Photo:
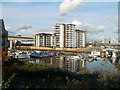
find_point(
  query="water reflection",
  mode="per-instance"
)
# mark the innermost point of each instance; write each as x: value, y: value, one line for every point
x: 115, y: 60
x: 101, y: 66
x: 80, y: 66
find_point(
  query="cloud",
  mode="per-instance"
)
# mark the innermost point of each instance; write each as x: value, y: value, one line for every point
x: 26, y: 33
x: 115, y: 30
x: 24, y: 27
x: 24, y: 30
x: 47, y: 29
x: 94, y: 37
x: 32, y: 0
x: 111, y: 19
x: 7, y: 28
x: 27, y: 30
x: 59, y: 18
x: 88, y: 27
x: 101, y: 37
x: 32, y: 32
x: 69, y: 5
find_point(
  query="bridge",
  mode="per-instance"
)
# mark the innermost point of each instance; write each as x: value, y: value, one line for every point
x: 14, y: 39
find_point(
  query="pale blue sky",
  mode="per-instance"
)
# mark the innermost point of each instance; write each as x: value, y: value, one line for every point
x: 98, y: 18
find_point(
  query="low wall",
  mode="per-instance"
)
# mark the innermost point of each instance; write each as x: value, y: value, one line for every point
x: 75, y: 50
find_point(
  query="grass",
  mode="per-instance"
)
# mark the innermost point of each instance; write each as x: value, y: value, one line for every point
x: 18, y: 74
x: 52, y: 78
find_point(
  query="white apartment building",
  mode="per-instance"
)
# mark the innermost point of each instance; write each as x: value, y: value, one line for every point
x: 44, y: 40
x: 113, y: 41
x: 80, y: 38
x: 65, y: 36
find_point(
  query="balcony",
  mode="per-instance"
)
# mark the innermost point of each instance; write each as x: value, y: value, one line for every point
x: 57, y: 26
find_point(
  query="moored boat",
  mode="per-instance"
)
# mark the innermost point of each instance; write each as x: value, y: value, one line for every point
x: 95, y: 54
x: 36, y: 55
x: 51, y: 54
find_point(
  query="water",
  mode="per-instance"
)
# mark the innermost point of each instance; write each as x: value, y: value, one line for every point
x: 99, y: 66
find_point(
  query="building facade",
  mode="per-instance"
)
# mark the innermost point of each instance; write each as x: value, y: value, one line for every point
x: 44, y: 40
x: 26, y: 43
x: 4, y: 38
x: 113, y: 41
x: 80, y: 38
x: 65, y: 35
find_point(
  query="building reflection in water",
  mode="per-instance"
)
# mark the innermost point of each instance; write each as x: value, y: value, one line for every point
x: 74, y: 65
x: 115, y: 60
x: 66, y: 63
x: 61, y: 62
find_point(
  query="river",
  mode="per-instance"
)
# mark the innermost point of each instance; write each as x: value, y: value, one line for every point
x: 82, y: 66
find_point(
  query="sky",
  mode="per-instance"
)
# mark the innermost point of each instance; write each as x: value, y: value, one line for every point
x: 99, y: 19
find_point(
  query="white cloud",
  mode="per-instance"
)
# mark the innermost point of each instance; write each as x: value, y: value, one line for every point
x: 47, y: 29
x: 58, y: 0
x: 60, y: 18
x: 32, y: 32
x: 69, y: 5
x: 26, y: 32
x: 24, y: 27
x: 23, y: 30
x: 94, y: 37
x: 77, y: 23
x: 111, y: 19
x: 115, y: 30
x: 7, y: 28
x: 32, y: 0
x: 101, y: 37
x: 1, y: 10
x: 88, y: 27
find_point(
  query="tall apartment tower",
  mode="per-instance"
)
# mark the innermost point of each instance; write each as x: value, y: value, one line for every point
x: 65, y: 35
x: 80, y: 38
x: 44, y: 40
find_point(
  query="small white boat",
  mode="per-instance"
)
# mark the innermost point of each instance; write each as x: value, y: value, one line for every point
x: 9, y: 51
x: 20, y: 52
x: 95, y: 54
x: 23, y: 56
